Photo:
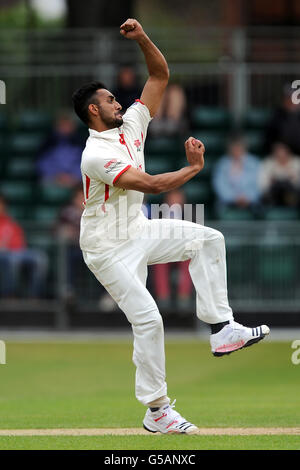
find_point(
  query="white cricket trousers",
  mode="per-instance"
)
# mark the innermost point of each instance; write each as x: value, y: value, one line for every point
x: 123, y: 273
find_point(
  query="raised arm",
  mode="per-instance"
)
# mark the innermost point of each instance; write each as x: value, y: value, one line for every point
x: 156, y: 63
x: 155, y: 184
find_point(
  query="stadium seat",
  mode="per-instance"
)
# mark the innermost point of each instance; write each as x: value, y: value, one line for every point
x: 231, y: 213
x: 277, y: 265
x: 255, y: 141
x: 28, y: 144
x: 3, y: 146
x: 3, y: 122
x: 19, y: 212
x: 281, y: 213
x: 256, y: 118
x: 159, y: 164
x: 45, y: 215
x: 197, y: 192
x: 20, y: 168
x: 211, y: 118
x: 32, y: 120
x: 52, y: 194
x: 214, y: 141
x: 164, y: 146
x: 237, y: 258
x: 17, y: 191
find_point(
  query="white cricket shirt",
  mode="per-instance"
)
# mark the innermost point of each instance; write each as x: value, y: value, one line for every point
x: 113, y: 214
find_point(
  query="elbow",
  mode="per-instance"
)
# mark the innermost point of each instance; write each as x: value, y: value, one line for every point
x: 167, y: 74
x: 162, y: 75
x: 156, y: 187
x: 152, y: 185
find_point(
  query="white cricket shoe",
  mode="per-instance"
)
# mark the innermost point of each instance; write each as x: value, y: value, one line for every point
x: 235, y: 336
x: 168, y: 421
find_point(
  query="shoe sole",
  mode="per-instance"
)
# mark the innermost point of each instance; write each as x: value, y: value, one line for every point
x: 249, y: 343
x: 171, y: 432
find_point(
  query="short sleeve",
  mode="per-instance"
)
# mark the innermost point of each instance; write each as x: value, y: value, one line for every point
x: 107, y: 170
x: 138, y: 117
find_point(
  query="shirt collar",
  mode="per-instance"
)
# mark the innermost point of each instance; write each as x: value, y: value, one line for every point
x: 110, y: 134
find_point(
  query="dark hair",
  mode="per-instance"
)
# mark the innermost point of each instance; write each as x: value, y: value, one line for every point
x: 83, y: 97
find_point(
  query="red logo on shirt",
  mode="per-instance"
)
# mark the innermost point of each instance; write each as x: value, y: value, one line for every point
x: 110, y: 162
x: 138, y: 144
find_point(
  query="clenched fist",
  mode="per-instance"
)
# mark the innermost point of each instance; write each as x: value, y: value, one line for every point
x: 194, y: 150
x: 132, y: 29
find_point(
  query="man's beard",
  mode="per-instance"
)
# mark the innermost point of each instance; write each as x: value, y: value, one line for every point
x: 111, y: 123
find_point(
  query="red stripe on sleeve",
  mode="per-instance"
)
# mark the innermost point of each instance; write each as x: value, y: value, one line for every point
x: 106, y: 192
x: 121, y: 172
x: 139, y: 101
x: 87, y: 186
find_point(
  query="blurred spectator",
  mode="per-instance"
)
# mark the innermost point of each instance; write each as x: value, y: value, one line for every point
x: 60, y: 156
x: 16, y: 256
x: 170, y: 118
x: 127, y: 89
x: 280, y: 177
x: 68, y: 229
x: 235, y: 177
x: 161, y: 273
x: 284, y: 126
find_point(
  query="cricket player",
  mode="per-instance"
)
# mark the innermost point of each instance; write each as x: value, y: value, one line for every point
x: 118, y: 242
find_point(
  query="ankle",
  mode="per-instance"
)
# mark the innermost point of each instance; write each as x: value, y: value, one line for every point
x: 215, y: 328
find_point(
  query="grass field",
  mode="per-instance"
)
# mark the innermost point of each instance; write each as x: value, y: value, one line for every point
x: 68, y: 385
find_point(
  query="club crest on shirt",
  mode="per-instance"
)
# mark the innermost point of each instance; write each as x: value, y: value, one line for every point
x: 138, y: 145
x: 110, y: 163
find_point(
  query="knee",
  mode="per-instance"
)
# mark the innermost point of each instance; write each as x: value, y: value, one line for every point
x: 150, y: 320
x: 156, y: 321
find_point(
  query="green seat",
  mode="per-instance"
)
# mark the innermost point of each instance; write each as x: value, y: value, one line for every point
x: 23, y: 143
x: 255, y: 141
x: 256, y: 118
x: 17, y: 191
x: 52, y: 194
x: 197, y: 192
x: 18, y: 212
x: 20, y: 168
x: 156, y: 198
x: 3, y: 146
x: 230, y: 213
x: 214, y: 141
x: 3, y: 122
x: 277, y: 265
x: 238, y: 257
x: 281, y: 213
x: 211, y: 118
x: 41, y: 240
x: 163, y: 146
x: 34, y: 120
x: 162, y: 164
x: 46, y: 215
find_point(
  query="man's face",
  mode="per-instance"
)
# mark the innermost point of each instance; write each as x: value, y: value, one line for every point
x: 109, y: 110
x: 237, y: 150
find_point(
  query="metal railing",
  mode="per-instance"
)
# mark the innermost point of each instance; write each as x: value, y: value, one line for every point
x: 235, y: 68
x: 263, y: 263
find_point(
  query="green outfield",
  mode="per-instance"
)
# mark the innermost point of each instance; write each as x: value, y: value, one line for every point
x: 91, y: 385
